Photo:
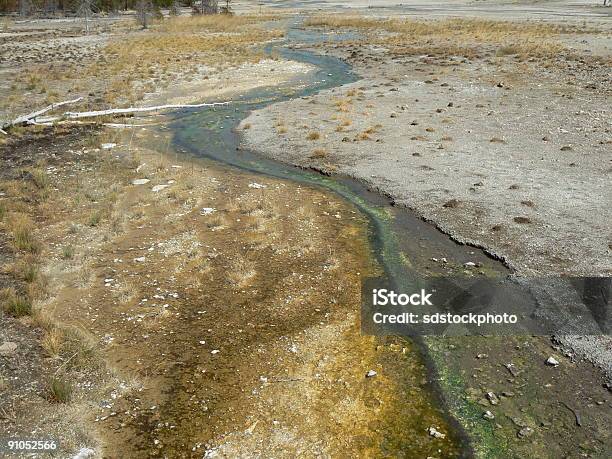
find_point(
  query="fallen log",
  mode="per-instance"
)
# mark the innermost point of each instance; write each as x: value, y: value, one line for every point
x: 35, y: 117
x: 25, y: 119
x: 121, y: 111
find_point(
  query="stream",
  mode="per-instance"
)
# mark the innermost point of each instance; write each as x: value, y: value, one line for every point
x: 402, y: 244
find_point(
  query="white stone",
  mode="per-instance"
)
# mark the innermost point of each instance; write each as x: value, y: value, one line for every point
x: 552, y: 361
x: 435, y: 433
x: 140, y: 181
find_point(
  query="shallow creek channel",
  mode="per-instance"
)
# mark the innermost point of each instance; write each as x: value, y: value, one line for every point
x: 403, y: 244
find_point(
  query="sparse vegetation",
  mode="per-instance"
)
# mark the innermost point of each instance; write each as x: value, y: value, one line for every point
x: 313, y: 135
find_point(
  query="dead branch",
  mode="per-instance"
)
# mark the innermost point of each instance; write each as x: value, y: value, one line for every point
x: 122, y: 111
x: 25, y: 119
x: 35, y: 118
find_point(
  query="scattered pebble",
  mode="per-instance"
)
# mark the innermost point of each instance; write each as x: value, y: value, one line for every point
x: 371, y: 374
x: 140, y: 181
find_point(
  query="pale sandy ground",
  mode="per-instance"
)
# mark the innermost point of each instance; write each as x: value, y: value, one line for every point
x: 426, y: 153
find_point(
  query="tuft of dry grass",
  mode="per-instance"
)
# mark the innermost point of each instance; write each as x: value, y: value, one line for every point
x: 40, y: 178
x: 53, y: 342
x: 58, y: 390
x: 15, y: 304
x: 26, y: 269
x: 313, y: 135
x: 22, y: 229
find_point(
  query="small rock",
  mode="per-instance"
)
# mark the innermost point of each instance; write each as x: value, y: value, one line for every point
x: 469, y: 264
x: 140, y: 181
x: 108, y: 146
x: 488, y: 415
x: 552, y: 361
x: 140, y: 259
x: 207, y: 210
x: 482, y: 356
x: 371, y: 374
x: 257, y: 186
x: 525, y: 432
x: 493, y: 400
x: 435, y: 433
x: 215, y: 351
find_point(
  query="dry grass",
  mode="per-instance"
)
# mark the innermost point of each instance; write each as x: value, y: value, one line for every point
x: 319, y: 153
x: 15, y: 304
x: 178, y: 48
x: 457, y: 36
x: 59, y: 390
x: 40, y: 178
x: 313, y: 135
x: 53, y: 342
x: 26, y: 269
x: 22, y: 230
x: 219, y: 23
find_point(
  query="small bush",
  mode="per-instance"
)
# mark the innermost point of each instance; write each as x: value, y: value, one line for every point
x: 59, y: 390
x: 313, y: 135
